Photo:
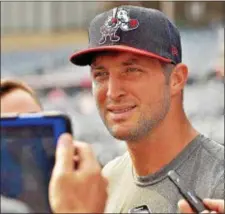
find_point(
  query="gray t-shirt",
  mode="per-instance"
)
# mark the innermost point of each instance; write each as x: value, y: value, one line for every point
x: 200, y: 165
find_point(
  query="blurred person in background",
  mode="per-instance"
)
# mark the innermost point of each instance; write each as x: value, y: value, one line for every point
x: 138, y: 82
x: 18, y: 97
x: 9, y: 205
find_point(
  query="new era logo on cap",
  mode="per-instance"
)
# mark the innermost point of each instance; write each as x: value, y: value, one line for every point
x: 135, y: 29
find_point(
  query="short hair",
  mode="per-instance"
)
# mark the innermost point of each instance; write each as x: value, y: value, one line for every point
x: 9, y: 85
x: 167, y: 70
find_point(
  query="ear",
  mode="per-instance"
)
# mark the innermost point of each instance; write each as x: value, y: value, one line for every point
x: 178, y: 78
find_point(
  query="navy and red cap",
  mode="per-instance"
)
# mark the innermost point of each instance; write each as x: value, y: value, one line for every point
x: 134, y: 29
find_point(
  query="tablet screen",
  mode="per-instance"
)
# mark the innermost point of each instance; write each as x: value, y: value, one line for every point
x: 27, y: 159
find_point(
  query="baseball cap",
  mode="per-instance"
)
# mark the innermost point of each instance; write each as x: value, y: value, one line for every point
x: 134, y: 29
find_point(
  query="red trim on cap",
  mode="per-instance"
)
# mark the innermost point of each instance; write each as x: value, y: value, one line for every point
x: 116, y: 48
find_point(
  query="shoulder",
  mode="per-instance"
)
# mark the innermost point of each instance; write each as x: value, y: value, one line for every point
x: 213, y: 149
x: 116, y: 166
x: 212, y: 156
x: 212, y: 161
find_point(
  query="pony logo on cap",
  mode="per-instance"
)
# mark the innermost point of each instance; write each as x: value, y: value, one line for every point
x: 119, y: 19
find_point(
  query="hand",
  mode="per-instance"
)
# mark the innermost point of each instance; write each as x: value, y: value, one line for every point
x: 215, y: 206
x: 80, y: 190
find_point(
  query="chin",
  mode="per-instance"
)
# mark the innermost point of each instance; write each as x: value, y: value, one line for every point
x: 120, y: 132
x: 123, y: 129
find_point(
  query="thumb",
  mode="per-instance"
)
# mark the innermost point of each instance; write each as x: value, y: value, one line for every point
x: 184, y: 207
x: 215, y: 204
x: 64, y: 153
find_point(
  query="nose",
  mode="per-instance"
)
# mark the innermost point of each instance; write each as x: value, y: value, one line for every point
x: 115, y: 89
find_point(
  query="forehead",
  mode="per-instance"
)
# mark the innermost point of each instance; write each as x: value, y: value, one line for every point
x: 123, y: 57
x: 18, y: 101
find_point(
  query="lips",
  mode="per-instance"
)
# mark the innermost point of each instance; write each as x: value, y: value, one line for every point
x: 120, y: 113
x: 120, y: 109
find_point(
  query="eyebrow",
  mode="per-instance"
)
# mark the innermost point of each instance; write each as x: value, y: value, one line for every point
x: 131, y: 61
x: 97, y: 67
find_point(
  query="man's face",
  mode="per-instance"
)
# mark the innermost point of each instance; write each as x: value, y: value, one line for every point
x: 18, y: 101
x: 131, y: 94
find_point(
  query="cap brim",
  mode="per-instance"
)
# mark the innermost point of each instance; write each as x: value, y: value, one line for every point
x: 85, y: 57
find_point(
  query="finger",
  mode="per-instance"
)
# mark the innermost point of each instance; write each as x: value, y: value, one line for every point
x: 184, y: 207
x: 64, y: 153
x: 87, y: 159
x: 106, y: 181
x: 205, y: 211
x: 76, y: 161
x: 215, y: 204
x: 76, y: 158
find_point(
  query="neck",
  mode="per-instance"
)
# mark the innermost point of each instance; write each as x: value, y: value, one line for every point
x: 164, y: 143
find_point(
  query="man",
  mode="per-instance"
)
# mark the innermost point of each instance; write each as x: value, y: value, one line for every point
x: 138, y: 82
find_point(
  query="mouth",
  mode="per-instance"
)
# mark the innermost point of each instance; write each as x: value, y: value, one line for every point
x: 120, y: 113
x: 121, y: 110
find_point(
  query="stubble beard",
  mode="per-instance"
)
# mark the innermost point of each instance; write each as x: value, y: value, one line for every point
x: 145, y: 125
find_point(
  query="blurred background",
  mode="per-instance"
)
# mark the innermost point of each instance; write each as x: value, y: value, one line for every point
x: 37, y: 39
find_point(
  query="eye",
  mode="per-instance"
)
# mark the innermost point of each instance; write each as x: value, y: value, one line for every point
x: 133, y: 69
x: 100, y: 74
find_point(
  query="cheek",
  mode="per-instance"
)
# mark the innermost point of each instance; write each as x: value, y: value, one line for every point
x: 99, y: 93
x: 150, y: 93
